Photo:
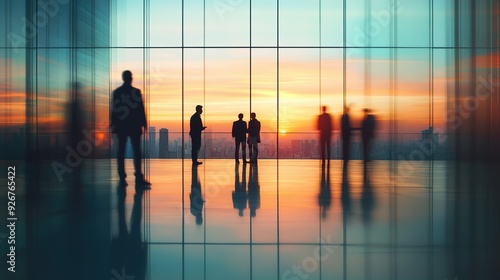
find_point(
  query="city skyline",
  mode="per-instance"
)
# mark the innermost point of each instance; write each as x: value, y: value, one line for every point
x: 427, y: 142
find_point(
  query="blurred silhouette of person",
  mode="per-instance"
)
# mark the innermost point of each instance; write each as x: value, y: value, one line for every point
x: 129, y: 252
x: 325, y: 195
x: 128, y: 119
x: 325, y: 127
x: 239, y: 132
x: 239, y: 193
x: 367, y: 134
x: 75, y: 116
x: 346, y: 131
x: 367, y: 197
x: 195, y: 197
x: 75, y: 126
x: 196, y: 127
x: 253, y: 137
x: 253, y: 190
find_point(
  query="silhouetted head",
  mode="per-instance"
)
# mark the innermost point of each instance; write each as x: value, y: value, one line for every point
x: 127, y: 76
x: 253, y: 115
x: 199, y: 109
x: 366, y: 110
x: 240, y: 116
x: 346, y: 110
x: 324, y: 109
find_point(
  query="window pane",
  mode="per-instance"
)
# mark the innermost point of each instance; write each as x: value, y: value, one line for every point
x: 264, y: 23
x: 129, y: 23
x: 193, y: 23
x: 228, y: 23
x: 299, y: 23
x: 413, y: 19
x: 165, y: 23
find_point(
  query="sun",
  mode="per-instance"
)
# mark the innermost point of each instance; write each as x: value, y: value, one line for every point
x: 282, y: 131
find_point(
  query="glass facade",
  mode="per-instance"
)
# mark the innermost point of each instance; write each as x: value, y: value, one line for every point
x: 57, y: 63
x: 404, y: 60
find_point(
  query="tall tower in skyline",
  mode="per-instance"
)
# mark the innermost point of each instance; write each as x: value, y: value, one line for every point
x: 152, y: 142
x: 163, y: 143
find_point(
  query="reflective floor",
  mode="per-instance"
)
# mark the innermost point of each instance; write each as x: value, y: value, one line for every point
x: 286, y: 219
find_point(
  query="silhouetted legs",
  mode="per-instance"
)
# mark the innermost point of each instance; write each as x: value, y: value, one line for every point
x: 366, y: 151
x: 254, y: 152
x: 122, y: 142
x: 346, y: 146
x: 136, y: 147
x: 325, y: 145
x: 243, y: 150
x: 196, y: 143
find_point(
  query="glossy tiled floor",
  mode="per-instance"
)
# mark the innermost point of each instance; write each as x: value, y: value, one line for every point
x: 292, y: 219
x: 286, y: 219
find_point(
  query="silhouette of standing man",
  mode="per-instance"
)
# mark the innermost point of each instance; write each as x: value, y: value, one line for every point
x: 239, y: 133
x: 346, y: 135
x: 196, y: 127
x: 128, y: 119
x: 367, y: 134
x: 253, y: 137
x: 325, y: 126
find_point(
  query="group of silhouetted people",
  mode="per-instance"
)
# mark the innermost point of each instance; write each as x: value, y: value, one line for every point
x: 128, y: 120
x: 325, y: 126
x: 239, y: 132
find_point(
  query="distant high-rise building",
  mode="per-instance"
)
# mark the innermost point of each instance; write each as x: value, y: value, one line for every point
x: 428, y: 134
x: 429, y: 143
x: 152, y: 142
x: 163, y: 143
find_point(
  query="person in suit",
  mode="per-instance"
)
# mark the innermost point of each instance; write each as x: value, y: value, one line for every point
x: 346, y: 131
x: 367, y: 134
x: 196, y: 127
x: 239, y: 132
x: 325, y: 127
x: 253, y: 137
x: 128, y: 119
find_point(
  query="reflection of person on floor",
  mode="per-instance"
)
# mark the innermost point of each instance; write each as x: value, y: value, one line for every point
x: 239, y: 193
x: 195, y: 129
x: 253, y: 137
x: 195, y: 197
x: 367, y: 197
x: 128, y: 119
x: 325, y: 195
x: 325, y: 127
x: 253, y: 190
x: 128, y: 249
x: 367, y: 134
x: 239, y: 132
x: 346, y: 196
x: 346, y: 135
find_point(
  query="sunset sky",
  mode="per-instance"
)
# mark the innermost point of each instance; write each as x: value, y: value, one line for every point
x: 220, y: 80
x: 290, y: 84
